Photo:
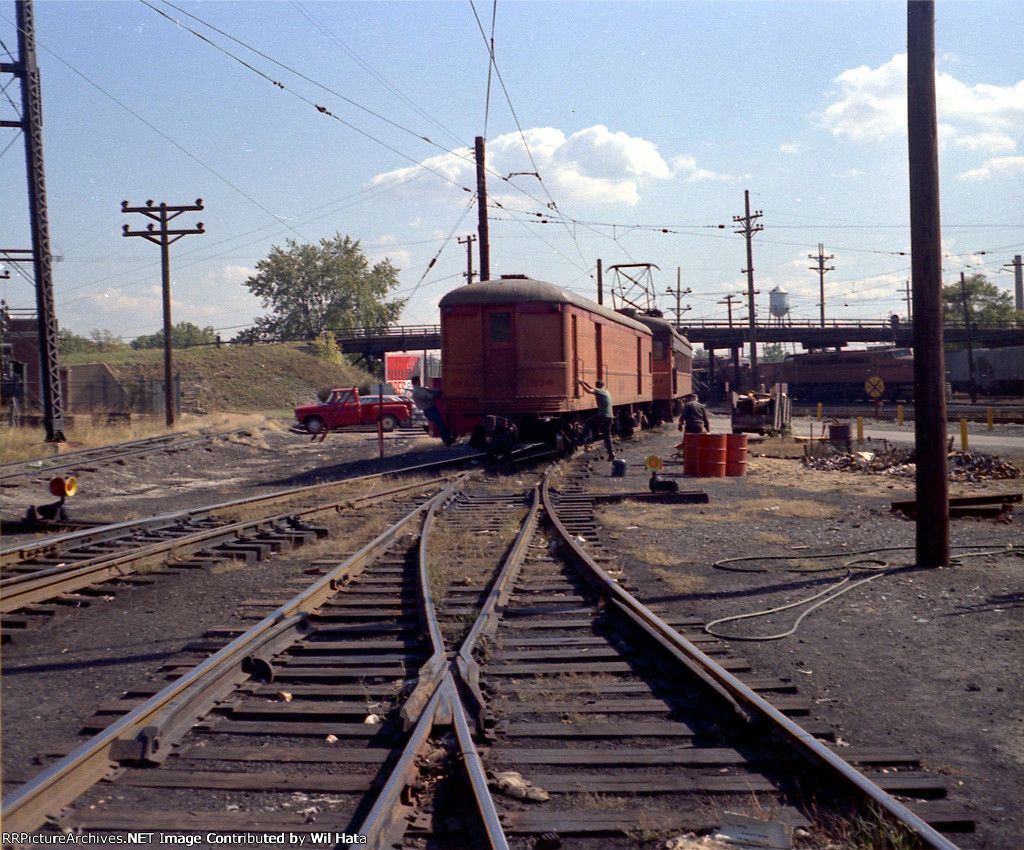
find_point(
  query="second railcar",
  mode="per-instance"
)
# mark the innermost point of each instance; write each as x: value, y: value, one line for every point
x: 513, y: 350
x: 672, y: 369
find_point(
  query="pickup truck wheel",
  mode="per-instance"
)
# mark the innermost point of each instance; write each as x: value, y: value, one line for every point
x: 388, y: 422
x: 313, y: 424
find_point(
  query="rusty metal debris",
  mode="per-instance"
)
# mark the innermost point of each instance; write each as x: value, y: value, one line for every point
x: 998, y: 506
x: 896, y: 461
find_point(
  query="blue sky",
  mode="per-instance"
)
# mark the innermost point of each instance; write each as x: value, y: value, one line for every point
x: 645, y: 121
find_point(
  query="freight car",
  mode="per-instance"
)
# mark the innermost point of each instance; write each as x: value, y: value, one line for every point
x: 997, y: 371
x: 514, y: 350
x: 844, y: 375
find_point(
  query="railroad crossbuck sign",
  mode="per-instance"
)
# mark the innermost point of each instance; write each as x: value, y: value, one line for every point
x: 874, y: 387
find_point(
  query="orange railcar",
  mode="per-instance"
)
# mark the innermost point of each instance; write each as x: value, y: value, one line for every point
x: 672, y: 357
x: 515, y: 349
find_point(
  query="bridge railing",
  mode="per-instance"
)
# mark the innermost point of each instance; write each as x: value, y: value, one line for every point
x: 395, y: 330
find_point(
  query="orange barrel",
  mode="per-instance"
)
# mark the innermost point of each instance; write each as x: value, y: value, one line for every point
x: 690, y: 454
x: 735, y: 455
x: 711, y: 455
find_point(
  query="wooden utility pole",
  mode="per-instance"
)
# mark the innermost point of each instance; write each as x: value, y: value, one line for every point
x: 481, y: 210
x: 468, y: 242
x: 164, y: 237
x: 735, y: 351
x: 926, y: 275
x: 679, y: 292
x: 821, y: 269
x: 1018, y: 281
x: 748, y: 231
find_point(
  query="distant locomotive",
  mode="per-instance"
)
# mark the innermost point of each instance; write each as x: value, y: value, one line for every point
x: 997, y: 371
x: 514, y: 350
x: 844, y: 375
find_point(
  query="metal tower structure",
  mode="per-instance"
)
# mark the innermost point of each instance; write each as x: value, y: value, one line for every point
x: 31, y: 125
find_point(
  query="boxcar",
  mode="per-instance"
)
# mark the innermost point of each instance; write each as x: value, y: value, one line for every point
x: 513, y: 351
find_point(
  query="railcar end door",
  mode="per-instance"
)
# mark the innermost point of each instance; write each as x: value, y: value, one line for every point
x: 499, y: 365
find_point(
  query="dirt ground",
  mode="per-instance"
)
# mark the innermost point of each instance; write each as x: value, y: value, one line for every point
x: 929, y: 660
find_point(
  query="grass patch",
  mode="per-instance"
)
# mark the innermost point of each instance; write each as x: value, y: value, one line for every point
x: 627, y: 515
x: 90, y: 432
x: 259, y: 380
x: 680, y: 582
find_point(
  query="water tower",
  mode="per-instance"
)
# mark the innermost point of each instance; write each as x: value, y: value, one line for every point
x: 778, y: 304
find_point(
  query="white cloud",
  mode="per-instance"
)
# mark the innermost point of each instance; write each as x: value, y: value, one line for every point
x: 988, y: 142
x: 593, y: 166
x: 1000, y: 166
x: 872, y: 103
x: 118, y: 303
x: 686, y: 166
x: 872, y: 106
x: 791, y: 148
x: 228, y: 276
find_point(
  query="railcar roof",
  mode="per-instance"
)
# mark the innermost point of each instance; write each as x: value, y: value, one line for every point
x: 662, y: 325
x: 524, y: 290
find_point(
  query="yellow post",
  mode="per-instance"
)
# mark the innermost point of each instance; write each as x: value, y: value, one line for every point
x: 860, y: 429
x: 899, y: 414
x: 990, y: 418
x: 963, y: 435
x: 819, y: 411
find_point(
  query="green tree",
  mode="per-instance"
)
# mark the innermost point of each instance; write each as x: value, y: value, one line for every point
x: 106, y: 341
x: 331, y: 286
x: 990, y: 306
x: 326, y: 348
x: 69, y: 343
x: 773, y: 353
x: 183, y: 335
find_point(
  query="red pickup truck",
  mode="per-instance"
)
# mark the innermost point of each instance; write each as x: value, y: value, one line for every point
x: 344, y: 407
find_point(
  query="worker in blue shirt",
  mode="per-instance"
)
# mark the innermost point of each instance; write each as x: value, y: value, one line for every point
x: 601, y: 422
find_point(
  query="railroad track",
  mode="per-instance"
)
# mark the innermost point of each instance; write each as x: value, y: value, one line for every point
x: 475, y: 676
x: 12, y: 473
x: 40, y: 578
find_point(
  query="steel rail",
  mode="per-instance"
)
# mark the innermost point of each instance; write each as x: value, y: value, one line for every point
x: 175, y: 707
x: 387, y: 820
x: 650, y: 622
x: 38, y: 587
x: 53, y: 545
x: 467, y: 667
x: 385, y: 823
x: 433, y: 669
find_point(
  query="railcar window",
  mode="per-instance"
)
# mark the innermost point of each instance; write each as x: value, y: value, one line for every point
x: 500, y: 325
x: 659, y: 349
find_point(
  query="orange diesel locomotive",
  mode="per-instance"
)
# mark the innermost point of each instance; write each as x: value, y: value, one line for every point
x: 514, y: 350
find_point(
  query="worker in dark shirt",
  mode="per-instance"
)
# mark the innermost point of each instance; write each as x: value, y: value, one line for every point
x: 694, y: 418
x: 425, y: 399
x: 601, y: 422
